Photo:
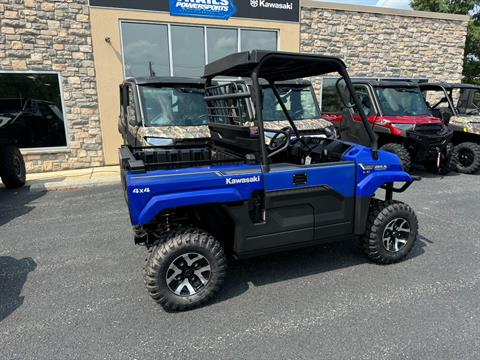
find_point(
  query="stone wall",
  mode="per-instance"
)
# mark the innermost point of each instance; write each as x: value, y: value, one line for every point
x: 55, y: 36
x: 383, y: 45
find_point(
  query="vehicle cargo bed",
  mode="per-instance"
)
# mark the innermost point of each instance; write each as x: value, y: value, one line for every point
x: 140, y: 160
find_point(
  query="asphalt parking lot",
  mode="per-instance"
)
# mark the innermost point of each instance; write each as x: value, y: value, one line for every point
x: 71, y: 287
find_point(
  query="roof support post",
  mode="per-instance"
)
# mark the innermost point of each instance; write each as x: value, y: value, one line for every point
x: 257, y: 93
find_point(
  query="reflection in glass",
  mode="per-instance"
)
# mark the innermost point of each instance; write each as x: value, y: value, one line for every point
x: 221, y: 42
x: 145, y: 49
x: 188, y: 51
x: 31, y: 110
x: 258, y: 39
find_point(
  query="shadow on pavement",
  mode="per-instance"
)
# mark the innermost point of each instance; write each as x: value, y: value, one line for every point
x: 15, y: 203
x: 13, y: 275
x: 295, y: 264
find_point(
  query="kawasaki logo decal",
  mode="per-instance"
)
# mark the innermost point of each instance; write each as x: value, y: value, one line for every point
x: 272, y: 5
x: 253, y: 179
x: 212, y: 9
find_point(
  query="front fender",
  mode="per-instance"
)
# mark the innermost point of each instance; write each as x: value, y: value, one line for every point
x: 370, y: 184
x: 162, y: 202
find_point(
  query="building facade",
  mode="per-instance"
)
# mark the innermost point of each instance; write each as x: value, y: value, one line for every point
x: 63, y: 60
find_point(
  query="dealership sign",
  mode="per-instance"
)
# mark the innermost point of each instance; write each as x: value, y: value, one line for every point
x: 279, y: 10
x: 212, y: 9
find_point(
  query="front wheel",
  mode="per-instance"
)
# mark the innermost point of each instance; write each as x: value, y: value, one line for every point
x: 12, y: 167
x: 391, y: 233
x: 468, y: 157
x: 401, y: 152
x: 186, y: 270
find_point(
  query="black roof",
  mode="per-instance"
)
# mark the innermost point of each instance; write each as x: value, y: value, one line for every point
x: 276, y: 65
x: 448, y: 86
x: 174, y: 80
x: 386, y: 83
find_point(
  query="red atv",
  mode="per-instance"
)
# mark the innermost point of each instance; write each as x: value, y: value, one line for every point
x: 401, y: 119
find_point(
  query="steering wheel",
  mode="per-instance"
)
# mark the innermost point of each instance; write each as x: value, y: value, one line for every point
x: 277, y: 142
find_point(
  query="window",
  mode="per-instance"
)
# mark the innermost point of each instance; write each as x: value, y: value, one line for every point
x: 145, y: 49
x: 298, y: 100
x: 31, y: 109
x: 476, y: 98
x: 364, y: 98
x: 399, y: 101
x: 221, y: 42
x: 179, y: 106
x: 188, y: 49
x: 258, y: 39
x: 331, y: 102
x: 151, y: 49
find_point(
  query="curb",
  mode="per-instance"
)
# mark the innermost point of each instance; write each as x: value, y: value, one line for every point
x: 72, y: 185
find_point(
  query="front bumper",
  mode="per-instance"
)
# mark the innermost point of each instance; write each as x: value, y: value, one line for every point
x: 429, y: 143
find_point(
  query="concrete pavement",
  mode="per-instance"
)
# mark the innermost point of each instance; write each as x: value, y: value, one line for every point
x: 71, y: 287
x: 73, y: 179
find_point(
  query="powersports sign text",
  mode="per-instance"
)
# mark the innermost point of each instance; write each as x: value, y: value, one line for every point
x: 212, y: 9
x: 280, y: 10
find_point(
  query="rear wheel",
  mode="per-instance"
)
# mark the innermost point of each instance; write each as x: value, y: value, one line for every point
x: 12, y: 167
x: 392, y: 230
x: 468, y: 157
x: 401, y: 152
x: 186, y: 270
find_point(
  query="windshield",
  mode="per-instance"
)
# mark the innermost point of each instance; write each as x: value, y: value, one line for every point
x: 173, y: 106
x: 299, y: 101
x: 397, y: 101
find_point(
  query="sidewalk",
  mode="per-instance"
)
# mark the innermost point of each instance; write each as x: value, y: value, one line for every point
x: 73, y: 179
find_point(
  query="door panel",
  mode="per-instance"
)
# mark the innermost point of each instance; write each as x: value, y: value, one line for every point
x: 320, y: 208
x: 328, y: 189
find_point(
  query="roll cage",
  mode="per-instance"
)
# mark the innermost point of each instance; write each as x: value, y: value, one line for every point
x: 370, y: 85
x: 447, y: 90
x: 225, y: 109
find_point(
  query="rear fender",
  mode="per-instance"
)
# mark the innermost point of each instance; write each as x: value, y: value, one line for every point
x: 162, y: 202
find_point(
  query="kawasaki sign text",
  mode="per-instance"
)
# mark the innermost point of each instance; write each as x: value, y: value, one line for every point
x: 269, y: 4
x: 212, y: 9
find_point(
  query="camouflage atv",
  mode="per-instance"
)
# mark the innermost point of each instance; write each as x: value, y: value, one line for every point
x: 171, y: 111
x: 459, y: 107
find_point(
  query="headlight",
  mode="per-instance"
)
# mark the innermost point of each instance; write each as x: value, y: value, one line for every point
x: 154, y: 141
x: 404, y: 127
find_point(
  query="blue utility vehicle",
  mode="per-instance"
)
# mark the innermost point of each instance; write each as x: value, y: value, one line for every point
x: 250, y: 198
